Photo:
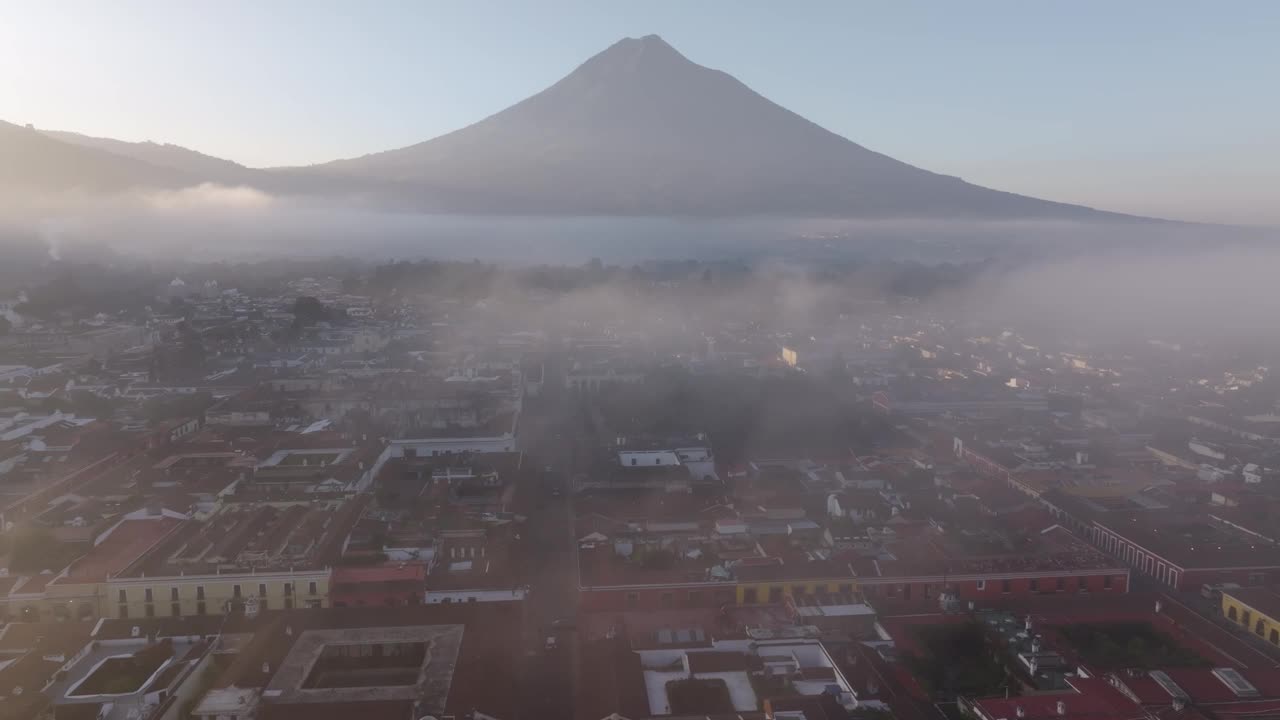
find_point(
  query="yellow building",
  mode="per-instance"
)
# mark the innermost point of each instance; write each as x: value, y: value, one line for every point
x: 206, y: 594
x: 761, y: 593
x: 1254, y: 609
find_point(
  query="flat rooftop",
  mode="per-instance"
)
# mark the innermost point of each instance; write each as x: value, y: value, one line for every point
x: 126, y: 543
x: 1053, y: 549
x: 263, y: 537
x: 295, y: 683
x: 1195, y: 542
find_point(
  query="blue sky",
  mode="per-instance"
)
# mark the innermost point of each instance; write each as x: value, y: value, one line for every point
x: 1166, y: 108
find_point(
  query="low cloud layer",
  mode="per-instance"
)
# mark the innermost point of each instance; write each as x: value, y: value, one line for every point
x: 1117, y: 279
x: 208, y: 197
x: 1206, y: 293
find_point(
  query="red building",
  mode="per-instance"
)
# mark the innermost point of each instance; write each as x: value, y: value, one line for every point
x: 378, y: 586
x: 1055, y: 562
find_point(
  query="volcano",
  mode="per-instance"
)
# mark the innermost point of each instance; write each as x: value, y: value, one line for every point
x: 639, y: 129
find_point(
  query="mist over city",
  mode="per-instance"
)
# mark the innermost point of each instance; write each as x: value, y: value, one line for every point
x: 723, y: 361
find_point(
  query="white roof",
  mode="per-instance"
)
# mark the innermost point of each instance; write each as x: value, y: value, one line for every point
x: 225, y: 701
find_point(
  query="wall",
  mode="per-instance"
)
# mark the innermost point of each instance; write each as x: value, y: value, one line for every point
x: 425, y: 447
x: 1248, y: 618
x: 768, y: 593
x: 886, y: 591
x: 75, y: 601
x: 218, y: 591
x: 658, y: 597
x: 993, y: 589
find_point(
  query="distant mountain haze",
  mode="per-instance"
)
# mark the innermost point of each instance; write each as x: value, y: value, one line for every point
x: 35, y: 162
x: 170, y: 156
x: 636, y: 130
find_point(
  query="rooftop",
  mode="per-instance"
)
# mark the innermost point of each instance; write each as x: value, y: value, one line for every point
x: 1195, y: 543
x: 468, y: 663
x: 298, y: 536
x: 123, y: 545
x: 1091, y: 699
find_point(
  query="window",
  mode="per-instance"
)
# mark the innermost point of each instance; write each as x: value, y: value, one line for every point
x: 1106, y: 583
x: 982, y: 584
x: 124, y: 596
x: 235, y: 591
x: 1006, y: 586
x: 311, y: 587
x: 695, y: 598
x: 750, y: 596
x: 633, y: 600
x: 314, y: 604
x: 667, y: 599
x: 199, y: 592
x: 846, y: 589
x: 1062, y: 584
x: 1257, y: 578
x: 146, y: 595
x: 797, y: 591
x: 928, y: 591
x: 288, y: 590
x: 150, y: 610
x: 906, y: 591
x: 1260, y: 628
x: 775, y: 594
x: 1035, y: 584
x: 200, y: 608
x: 173, y: 594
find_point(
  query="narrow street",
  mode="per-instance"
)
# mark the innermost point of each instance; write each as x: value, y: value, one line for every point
x: 550, y: 442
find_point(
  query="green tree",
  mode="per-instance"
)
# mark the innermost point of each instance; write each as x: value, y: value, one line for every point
x: 34, y: 550
x: 308, y: 311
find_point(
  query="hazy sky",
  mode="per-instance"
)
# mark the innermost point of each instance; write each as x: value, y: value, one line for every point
x: 1159, y: 107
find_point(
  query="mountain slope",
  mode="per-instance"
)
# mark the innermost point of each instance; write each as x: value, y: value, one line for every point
x: 30, y: 161
x: 640, y: 129
x: 194, y: 163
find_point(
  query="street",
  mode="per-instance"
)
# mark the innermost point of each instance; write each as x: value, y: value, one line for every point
x: 548, y: 560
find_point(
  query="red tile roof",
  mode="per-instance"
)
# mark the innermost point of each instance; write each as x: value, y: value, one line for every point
x: 379, y: 573
x: 122, y: 546
x: 1094, y: 699
x: 715, y: 661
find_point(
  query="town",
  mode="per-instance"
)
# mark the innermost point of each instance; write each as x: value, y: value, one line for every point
x: 678, y: 490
